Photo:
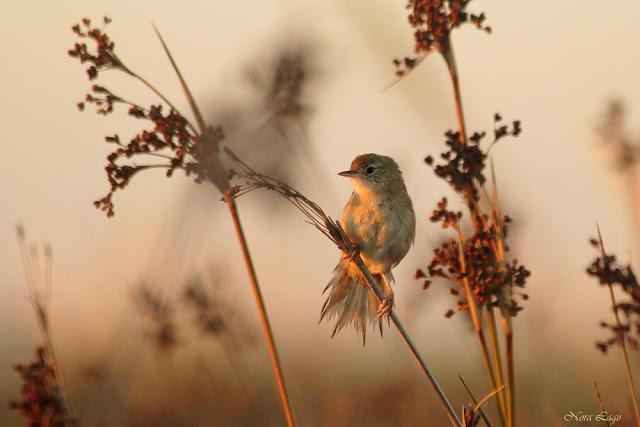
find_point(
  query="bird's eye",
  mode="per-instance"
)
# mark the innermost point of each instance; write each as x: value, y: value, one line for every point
x: 370, y: 170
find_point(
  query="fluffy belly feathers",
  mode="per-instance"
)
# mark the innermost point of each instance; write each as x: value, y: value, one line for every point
x: 383, y: 233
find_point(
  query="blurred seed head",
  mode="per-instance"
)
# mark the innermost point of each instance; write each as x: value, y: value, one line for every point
x: 215, y: 316
x: 40, y: 401
x: 615, y: 135
x: 269, y: 129
x: 159, y: 316
x: 609, y: 272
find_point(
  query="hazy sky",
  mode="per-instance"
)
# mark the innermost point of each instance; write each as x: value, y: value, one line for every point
x: 550, y: 64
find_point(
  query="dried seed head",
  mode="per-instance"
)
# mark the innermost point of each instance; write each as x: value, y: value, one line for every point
x: 477, y: 259
x: 609, y: 272
x: 100, y: 58
x: 41, y: 401
x: 432, y: 22
x: 170, y: 138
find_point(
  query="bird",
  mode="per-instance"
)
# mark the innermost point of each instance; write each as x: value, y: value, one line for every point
x: 379, y: 219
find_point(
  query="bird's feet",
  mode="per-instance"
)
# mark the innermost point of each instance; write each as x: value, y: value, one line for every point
x: 385, y: 306
x: 353, y: 253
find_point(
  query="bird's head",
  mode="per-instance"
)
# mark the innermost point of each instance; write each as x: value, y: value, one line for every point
x: 374, y: 173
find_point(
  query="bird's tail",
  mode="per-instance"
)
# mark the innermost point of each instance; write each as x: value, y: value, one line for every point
x: 350, y: 300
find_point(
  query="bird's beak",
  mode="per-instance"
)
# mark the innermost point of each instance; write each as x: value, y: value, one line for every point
x: 348, y: 174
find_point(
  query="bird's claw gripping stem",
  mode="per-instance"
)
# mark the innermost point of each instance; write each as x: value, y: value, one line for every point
x: 385, y: 307
x: 353, y: 253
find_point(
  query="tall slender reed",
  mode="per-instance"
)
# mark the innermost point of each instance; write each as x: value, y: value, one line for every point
x: 625, y: 150
x: 45, y: 400
x: 434, y: 22
x: 609, y: 273
x: 181, y: 145
x: 600, y: 401
x: 625, y: 359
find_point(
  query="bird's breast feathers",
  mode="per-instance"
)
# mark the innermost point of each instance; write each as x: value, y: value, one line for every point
x: 383, y: 229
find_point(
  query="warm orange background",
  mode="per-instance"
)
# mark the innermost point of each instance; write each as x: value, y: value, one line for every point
x: 552, y: 65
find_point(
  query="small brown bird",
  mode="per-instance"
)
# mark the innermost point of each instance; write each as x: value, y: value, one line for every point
x: 379, y: 218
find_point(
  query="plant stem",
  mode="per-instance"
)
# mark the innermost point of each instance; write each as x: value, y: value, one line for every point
x: 634, y: 199
x: 475, y: 401
x: 39, y: 299
x: 477, y: 324
x: 264, y: 319
x: 220, y: 180
x: 60, y: 380
x: 509, y: 406
x: 503, y: 301
x: 497, y: 358
x: 153, y: 89
x: 625, y: 357
x: 450, y: 59
x: 183, y: 83
x: 599, y: 399
x: 453, y: 417
x: 511, y: 396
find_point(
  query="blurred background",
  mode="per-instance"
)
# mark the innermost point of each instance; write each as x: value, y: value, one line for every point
x: 554, y: 66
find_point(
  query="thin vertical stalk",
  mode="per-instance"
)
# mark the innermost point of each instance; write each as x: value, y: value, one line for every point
x: 497, y: 359
x: 452, y: 67
x: 634, y: 199
x: 511, y: 396
x: 450, y: 59
x: 60, y: 380
x: 39, y: 285
x: 505, y: 313
x: 451, y: 413
x: 599, y: 399
x: 183, y: 83
x: 491, y: 373
x: 477, y: 325
x: 469, y: 294
x: 264, y: 318
x: 625, y: 358
x: 498, y: 248
x: 220, y: 180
